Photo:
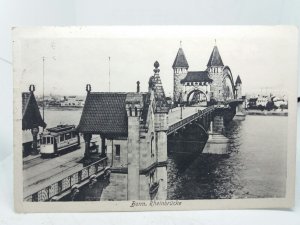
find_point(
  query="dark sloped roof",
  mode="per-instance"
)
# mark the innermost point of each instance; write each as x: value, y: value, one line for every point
x: 146, y: 100
x: 104, y: 113
x: 180, y: 60
x: 215, y: 58
x: 197, y: 76
x: 159, y: 93
x: 238, y: 80
x: 31, y: 116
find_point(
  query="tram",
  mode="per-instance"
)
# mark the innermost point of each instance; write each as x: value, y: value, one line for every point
x: 55, y: 140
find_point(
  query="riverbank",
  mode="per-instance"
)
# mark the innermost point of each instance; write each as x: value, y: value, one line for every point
x: 266, y: 113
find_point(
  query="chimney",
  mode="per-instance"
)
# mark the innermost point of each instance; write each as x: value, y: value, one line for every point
x: 137, y: 87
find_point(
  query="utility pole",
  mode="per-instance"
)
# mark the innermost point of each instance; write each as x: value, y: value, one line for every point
x: 43, y: 89
x: 109, y: 74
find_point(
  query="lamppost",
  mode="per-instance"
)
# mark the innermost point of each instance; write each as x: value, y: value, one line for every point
x: 180, y: 102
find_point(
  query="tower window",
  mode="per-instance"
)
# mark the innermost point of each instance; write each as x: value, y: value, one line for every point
x: 135, y: 111
x: 118, y: 150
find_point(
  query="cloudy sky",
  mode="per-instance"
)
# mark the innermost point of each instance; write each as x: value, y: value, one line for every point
x: 265, y: 58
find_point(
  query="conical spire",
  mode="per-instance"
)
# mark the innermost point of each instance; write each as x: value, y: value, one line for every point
x: 215, y: 58
x: 180, y: 60
x: 238, y: 80
x: 156, y: 85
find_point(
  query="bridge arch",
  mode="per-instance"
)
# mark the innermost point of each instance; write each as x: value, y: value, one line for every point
x: 197, y: 93
x: 202, y: 128
x: 228, y: 84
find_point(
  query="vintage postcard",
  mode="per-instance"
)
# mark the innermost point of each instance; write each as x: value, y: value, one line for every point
x: 154, y: 118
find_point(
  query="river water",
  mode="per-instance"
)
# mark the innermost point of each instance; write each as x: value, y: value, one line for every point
x: 255, y: 166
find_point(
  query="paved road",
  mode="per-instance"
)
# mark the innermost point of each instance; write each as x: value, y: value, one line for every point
x: 174, y: 114
x: 38, y: 172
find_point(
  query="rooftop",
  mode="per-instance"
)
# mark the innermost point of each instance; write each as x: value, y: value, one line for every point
x: 197, y: 76
x: 238, y: 80
x: 105, y: 113
x: 215, y: 58
x: 31, y: 116
x: 180, y: 60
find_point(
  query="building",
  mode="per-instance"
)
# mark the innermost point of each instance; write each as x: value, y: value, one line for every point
x: 213, y: 84
x: 31, y: 121
x: 252, y: 103
x: 72, y: 101
x: 132, y: 126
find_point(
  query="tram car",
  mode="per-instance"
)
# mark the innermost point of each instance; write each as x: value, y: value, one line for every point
x: 59, y: 139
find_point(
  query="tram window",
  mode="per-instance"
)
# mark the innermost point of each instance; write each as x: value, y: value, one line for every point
x: 73, y: 134
x: 62, y: 137
x: 67, y: 136
x: 44, y: 140
x: 51, y: 140
x: 48, y: 140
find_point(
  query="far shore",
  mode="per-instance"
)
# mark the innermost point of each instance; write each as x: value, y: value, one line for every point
x: 266, y: 113
x: 62, y: 108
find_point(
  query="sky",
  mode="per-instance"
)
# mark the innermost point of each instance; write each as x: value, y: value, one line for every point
x: 264, y: 58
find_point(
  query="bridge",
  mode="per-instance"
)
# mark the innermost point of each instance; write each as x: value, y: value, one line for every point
x: 180, y: 117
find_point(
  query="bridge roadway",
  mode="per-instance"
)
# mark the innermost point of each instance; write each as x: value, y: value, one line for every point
x: 175, y: 113
x: 178, y: 119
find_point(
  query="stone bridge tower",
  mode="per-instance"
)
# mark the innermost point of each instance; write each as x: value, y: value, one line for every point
x: 238, y: 87
x: 180, y: 68
x: 215, y: 68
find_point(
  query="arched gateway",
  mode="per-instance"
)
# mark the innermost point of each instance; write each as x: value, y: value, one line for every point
x: 215, y: 84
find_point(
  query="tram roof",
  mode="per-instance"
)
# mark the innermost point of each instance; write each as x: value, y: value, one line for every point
x: 61, y: 128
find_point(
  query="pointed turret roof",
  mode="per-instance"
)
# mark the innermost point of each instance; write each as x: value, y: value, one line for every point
x: 215, y: 58
x: 180, y: 60
x: 238, y: 80
x: 31, y: 114
x: 156, y: 85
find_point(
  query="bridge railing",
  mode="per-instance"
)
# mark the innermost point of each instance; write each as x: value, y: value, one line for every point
x: 188, y: 119
x: 233, y: 100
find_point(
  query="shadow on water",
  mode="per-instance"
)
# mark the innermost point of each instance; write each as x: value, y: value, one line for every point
x: 196, y: 176
x: 204, y: 176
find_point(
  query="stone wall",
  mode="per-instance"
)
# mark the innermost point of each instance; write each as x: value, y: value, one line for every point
x: 217, y: 84
x: 144, y: 187
x: 117, y: 189
x: 148, y: 157
x: 179, y: 74
x: 120, y: 161
x: 133, y: 157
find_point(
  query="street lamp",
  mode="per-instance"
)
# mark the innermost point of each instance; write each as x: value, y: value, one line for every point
x: 180, y: 102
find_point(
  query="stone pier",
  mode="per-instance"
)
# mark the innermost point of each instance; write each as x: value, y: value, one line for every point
x: 240, y: 115
x: 217, y: 143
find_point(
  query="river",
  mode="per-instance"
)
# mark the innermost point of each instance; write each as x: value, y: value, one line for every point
x: 255, y: 166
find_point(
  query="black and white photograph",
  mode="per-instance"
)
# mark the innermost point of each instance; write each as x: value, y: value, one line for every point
x: 154, y: 118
